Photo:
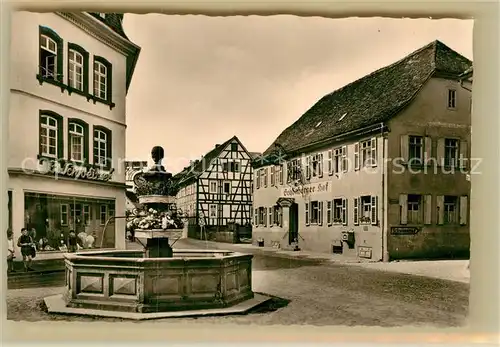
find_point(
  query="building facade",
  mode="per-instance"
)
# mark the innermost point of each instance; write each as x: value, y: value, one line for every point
x: 377, y: 169
x: 70, y: 73
x: 216, y: 190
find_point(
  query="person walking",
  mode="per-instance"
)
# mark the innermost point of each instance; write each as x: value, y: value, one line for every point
x: 10, y: 251
x: 26, y: 243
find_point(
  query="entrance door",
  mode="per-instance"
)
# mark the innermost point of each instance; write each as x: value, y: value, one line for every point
x: 293, y: 231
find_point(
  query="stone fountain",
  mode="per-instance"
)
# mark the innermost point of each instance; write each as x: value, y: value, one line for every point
x: 159, y: 281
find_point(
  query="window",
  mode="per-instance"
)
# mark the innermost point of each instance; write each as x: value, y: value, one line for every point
x: 414, y: 209
x: 316, y: 212
x: 451, y: 152
x: 276, y: 215
x: 76, y: 142
x: 100, y: 150
x: 50, y: 56
x: 415, y: 149
x: 337, y: 211
x: 368, y: 153
x: 102, y: 147
x: 294, y: 171
x: 86, y: 214
x: 49, y: 136
x: 272, y: 179
x: 337, y: 160
x: 262, y: 216
x: 227, y: 187
x: 317, y: 165
x: 279, y: 174
x: 64, y: 214
x: 231, y: 166
x: 450, y: 210
x: 452, y: 98
x: 111, y: 212
x: 100, y: 80
x: 234, y: 147
x: 365, y: 210
x: 75, y: 66
x: 213, y: 211
x: 103, y: 215
x: 213, y: 187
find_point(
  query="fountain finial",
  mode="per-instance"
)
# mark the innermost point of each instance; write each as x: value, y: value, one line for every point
x: 157, y: 153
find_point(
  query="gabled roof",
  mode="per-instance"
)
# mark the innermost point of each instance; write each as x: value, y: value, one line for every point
x: 193, y: 171
x: 372, y: 99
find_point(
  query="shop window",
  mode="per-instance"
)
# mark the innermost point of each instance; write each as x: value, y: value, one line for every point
x: 103, y: 214
x: 54, y: 216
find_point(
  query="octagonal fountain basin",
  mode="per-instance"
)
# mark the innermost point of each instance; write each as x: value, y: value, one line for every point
x: 127, y: 281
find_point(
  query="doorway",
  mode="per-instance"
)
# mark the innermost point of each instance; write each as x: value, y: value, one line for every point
x: 293, y: 231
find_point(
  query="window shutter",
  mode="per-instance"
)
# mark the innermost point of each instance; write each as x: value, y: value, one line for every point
x: 109, y: 85
x: 374, y: 151
x: 329, y: 212
x: 463, y: 210
x: 271, y: 216
x: 330, y: 162
x: 109, y: 153
x: 427, y: 149
x: 264, y: 219
x: 282, y: 170
x: 273, y: 170
x: 308, y: 167
x: 428, y: 209
x: 344, y: 159
x: 265, y: 177
x: 440, y: 152
x: 403, y: 208
x: 60, y: 138
x: 256, y: 179
x: 344, y: 211
x: 307, y: 212
x: 256, y: 217
x: 463, y: 154
x: 374, y: 206
x: 356, y: 211
x: 356, y: 156
x: 60, y: 55
x: 280, y: 216
x: 440, y: 208
x: 320, y: 165
x: 320, y: 213
x: 404, y: 148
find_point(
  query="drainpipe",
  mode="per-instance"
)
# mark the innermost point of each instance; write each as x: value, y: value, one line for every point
x: 383, y: 222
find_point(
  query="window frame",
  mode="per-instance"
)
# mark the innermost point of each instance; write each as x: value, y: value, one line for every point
x: 109, y: 149
x: 410, y: 212
x: 101, y: 213
x: 59, y: 134
x: 452, y: 99
x: 73, y: 47
x: 457, y: 152
x: 108, y: 100
x: 85, y: 142
x: 411, y: 160
x: 58, y: 79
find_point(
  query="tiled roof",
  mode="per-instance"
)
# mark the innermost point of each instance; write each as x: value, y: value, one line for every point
x: 372, y: 99
x: 201, y: 165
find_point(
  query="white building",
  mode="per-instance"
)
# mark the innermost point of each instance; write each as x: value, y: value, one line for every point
x: 70, y: 73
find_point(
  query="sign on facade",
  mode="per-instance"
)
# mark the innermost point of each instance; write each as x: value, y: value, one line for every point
x: 404, y: 230
x: 320, y: 187
x: 73, y: 170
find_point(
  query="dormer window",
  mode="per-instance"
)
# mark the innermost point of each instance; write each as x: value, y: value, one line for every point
x: 452, y: 98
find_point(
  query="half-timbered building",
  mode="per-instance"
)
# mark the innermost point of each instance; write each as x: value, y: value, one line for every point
x: 377, y: 169
x: 216, y: 190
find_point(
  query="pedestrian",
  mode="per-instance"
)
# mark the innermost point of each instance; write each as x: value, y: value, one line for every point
x: 26, y: 243
x: 72, y: 242
x: 10, y: 251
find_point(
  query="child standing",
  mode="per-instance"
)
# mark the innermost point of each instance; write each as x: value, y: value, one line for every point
x: 26, y: 243
x: 10, y: 252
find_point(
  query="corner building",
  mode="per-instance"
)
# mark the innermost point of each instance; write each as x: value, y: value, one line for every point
x: 70, y: 73
x: 378, y: 169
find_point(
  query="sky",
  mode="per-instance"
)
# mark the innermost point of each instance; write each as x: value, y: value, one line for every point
x: 201, y: 80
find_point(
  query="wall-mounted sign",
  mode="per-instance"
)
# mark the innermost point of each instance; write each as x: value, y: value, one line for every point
x: 73, y: 170
x: 320, y: 187
x: 404, y: 230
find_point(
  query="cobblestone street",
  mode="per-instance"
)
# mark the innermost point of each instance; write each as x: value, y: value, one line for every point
x: 319, y: 293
